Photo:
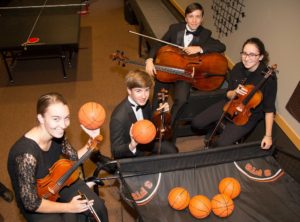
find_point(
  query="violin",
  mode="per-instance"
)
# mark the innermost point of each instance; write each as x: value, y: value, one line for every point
x: 162, y: 119
x: 238, y: 109
x: 63, y: 173
x: 205, y: 72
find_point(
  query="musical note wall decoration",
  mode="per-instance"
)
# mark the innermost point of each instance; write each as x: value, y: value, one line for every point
x: 227, y: 15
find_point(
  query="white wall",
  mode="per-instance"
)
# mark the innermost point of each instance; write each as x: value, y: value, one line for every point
x: 277, y: 24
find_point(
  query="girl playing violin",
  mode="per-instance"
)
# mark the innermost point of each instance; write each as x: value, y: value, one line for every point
x: 254, y: 60
x: 32, y: 156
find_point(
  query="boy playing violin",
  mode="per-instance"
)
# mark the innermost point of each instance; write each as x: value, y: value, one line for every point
x: 134, y: 107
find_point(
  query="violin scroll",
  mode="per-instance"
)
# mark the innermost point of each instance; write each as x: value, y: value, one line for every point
x: 94, y: 142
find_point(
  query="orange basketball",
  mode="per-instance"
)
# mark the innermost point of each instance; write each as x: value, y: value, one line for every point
x: 222, y: 205
x: 143, y: 131
x: 230, y: 186
x: 200, y: 206
x: 91, y: 115
x: 179, y: 198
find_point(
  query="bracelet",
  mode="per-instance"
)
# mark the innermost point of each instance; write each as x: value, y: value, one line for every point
x: 268, y: 136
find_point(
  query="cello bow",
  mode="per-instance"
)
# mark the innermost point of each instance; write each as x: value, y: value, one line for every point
x: 156, y: 39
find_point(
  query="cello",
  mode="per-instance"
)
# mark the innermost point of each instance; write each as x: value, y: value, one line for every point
x: 63, y: 173
x: 205, y: 72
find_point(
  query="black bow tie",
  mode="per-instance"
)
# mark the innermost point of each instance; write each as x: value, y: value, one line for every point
x: 137, y: 107
x: 187, y: 32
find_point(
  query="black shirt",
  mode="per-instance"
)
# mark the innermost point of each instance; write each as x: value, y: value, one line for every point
x: 27, y: 162
x: 268, y: 89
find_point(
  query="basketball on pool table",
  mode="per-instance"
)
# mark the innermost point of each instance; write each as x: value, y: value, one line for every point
x: 91, y: 115
x: 230, y: 186
x: 143, y: 131
x: 179, y: 198
x: 222, y: 205
x: 200, y: 206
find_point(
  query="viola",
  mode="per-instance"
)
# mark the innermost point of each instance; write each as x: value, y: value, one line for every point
x: 205, y: 72
x: 161, y: 119
x: 63, y: 173
x: 239, y: 108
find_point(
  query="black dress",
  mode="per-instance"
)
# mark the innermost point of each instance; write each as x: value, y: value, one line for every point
x: 27, y: 162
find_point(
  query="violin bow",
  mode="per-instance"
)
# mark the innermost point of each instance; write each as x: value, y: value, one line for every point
x: 208, y: 141
x: 156, y: 39
x: 92, y: 210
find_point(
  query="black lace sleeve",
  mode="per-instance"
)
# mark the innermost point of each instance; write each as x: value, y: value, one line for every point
x: 68, y: 150
x: 26, y: 165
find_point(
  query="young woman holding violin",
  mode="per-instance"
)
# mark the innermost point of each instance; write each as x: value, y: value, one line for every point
x: 195, y: 40
x: 251, y: 71
x: 31, y: 157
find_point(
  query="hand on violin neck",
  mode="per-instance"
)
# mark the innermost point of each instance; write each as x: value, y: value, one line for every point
x: 241, y: 90
x: 164, y: 107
